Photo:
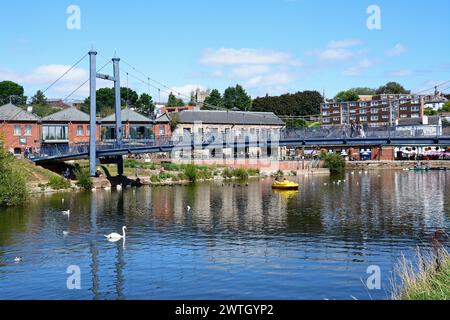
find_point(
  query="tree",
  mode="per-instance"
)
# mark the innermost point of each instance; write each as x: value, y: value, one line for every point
x: 237, y: 97
x: 296, y: 123
x: 446, y: 107
x: 348, y: 95
x: 105, y: 102
x: 11, y: 91
x: 214, y: 99
x: 145, y: 105
x: 298, y: 104
x: 173, y: 101
x: 430, y: 112
x: 364, y: 91
x: 39, y: 99
x: 392, y: 88
x: 129, y: 97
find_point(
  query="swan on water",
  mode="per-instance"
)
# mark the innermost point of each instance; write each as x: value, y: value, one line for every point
x: 66, y: 213
x: 188, y: 208
x: 65, y: 233
x: 18, y: 259
x: 113, y: 237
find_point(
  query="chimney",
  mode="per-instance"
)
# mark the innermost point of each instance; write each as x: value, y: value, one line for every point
x: 422, y: 106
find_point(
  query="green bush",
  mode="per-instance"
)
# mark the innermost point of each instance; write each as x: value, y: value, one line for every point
x: 240, y: 173
x: 130, y: 163
x: 155, y: 179
x: 279, y: 173
x: 254, y: 172
x: 227, y: 173
x: 84, y: 179
x: 334, y: 162
x: 171, y: 167
x: 13, y: 188
x: 58, y: 183
x: 294, y: 173
x: 182, y: 177
x: 191, y: 173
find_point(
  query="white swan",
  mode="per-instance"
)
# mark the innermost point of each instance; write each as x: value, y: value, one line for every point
x: 18, y: 259
x: 188, y: 208
x: 113, y: 237
x: 66, y: 213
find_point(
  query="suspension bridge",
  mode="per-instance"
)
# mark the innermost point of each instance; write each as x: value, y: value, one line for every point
x: 307, y: 137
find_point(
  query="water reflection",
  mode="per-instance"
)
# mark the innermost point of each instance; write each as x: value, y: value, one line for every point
x: 235, y: 242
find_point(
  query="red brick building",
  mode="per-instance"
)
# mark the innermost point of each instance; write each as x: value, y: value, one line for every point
x: 67, y: 127
x: 377, y: 111
x: 20, y: 129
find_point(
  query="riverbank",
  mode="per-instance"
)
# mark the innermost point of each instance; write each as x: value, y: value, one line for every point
x: 430, y: 280
x: 394, y: 165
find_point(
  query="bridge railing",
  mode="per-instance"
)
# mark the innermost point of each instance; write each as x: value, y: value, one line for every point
x: 259, y: 137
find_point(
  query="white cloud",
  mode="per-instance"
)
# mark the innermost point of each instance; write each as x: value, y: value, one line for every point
x: 185, y: 90
x: 275, y: 79
x: 248, y: 71
x: 397, y: 50
x: 337, y: 50
x: 402, y: 73
x: 359, y: 68
x: 246, y: 56
x: 337, y: 44
x: 41, y: 77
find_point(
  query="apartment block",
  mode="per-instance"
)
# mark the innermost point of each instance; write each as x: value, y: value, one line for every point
x: 376, y: 111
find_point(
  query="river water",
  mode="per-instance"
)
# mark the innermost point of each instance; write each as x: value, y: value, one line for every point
x: 236, y: 242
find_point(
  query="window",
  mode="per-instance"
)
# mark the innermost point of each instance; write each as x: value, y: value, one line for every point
x: 353, y: 118
x: 88, y: 131
x: 336, y: 112
x: 386, y: 116
x: 17, y: 130
x: 362, y: 119
x: 352, y: 104
x: 415, y: 108
x: 362, y: 111
x: 404, y: 109
x: 363, y: 104
x: 403, y: 116
x: 326, y: 120
x: 385, y: 109
x: 336, y: 119
x: 374, y: 103
x: 352, y: 111
x: 374, y: 118
x: 325, y: 113
x: 374, y: 110
x: 55, y: 133
x: 415, y: 115
x: 80, y: 131
x: 28, y: 130
x: 162, y: 130
x: 384, y: 102
x: 325, y: 106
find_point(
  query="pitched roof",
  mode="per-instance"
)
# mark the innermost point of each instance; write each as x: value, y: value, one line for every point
x: 128, y: 115
x: 230, y: 117
x: 68, y: 115
x: 165, y: 118
x: 10, y: 112
x: 432, y: 121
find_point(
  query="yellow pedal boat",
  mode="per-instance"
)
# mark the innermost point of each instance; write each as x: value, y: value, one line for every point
x: 285, y: 185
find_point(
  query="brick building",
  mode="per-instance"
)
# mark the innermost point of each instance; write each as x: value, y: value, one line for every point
x: 377, y: 111
x: 67, y: 127
x: 135, y: 126
x: 20, y: 129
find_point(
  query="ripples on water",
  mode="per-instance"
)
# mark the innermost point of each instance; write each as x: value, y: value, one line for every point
x: 242, y: 242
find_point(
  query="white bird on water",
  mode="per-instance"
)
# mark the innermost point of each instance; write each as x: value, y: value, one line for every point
x: 188, y: 208
x: 65, y: 233
x: 66, y: 213
x: 114, y: 237
x: 18, y: 259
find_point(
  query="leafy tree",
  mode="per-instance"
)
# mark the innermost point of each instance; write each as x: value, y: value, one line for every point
x: 43, y: 110
x: 105, y: 102
x: 39, y: 99
x: 174, y: 101
x: 193, y: 101
x: 9, y: 89
x: 363, y: 91
x: 446, y: 107
x: 214, y: 99
x: 348, y: 95
x: 296, y: 123
x: 145, y: 104
x: 129, y: 97
x: 430, y: 112
x: 392, y: 88
x: 237, y: 97
x: 298, y: 104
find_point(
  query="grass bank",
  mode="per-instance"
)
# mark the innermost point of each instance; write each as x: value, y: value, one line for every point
x: 429, y: 279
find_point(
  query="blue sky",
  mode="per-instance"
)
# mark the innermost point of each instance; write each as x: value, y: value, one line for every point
x: 270, y: 46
